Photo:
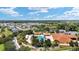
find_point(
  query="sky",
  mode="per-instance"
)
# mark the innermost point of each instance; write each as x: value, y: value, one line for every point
x: 39, y: 13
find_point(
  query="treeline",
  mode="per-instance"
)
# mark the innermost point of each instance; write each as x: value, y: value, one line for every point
x: 56, y: 26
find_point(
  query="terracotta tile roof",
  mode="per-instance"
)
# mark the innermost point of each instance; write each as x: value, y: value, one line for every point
x: 37, y: 33
x: 46, y: 33
x: 63, y: 38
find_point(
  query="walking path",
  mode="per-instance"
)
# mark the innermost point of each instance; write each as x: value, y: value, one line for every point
x: 16, y: 43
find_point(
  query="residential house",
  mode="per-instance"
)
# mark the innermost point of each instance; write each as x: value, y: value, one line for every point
x: 62, y: 31
x: 48, y: 36
x: 41, y: 37
x: 63, y: 38
x: 72, y: 32
x: 14, y: 29
x: 29, y: 38
x: 37, y: 33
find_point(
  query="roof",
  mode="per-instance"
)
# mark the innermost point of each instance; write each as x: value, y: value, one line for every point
x: 37, y: 33
x: 72, y: 32
x: 63, y: 38
x: 46, y: 33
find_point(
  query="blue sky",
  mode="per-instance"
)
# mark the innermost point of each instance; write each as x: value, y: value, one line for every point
x: 39, y: 13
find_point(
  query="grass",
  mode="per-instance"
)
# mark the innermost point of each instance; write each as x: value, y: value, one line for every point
x: 63, y: 49
x: 2, y: 47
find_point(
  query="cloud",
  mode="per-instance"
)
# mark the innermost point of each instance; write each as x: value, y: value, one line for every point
x: 70, y: 15
x: 40, y: 9
x: 10, y: 11
x: 50, y: 16
x: 37, y: 10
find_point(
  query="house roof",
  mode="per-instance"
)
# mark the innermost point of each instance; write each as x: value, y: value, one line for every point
x: 72, y: 32
x: 63, y: 38
x: 37, y: 33
x: 46, y: 33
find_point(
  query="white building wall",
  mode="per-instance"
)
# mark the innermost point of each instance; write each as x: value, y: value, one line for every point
x: 49, y: 37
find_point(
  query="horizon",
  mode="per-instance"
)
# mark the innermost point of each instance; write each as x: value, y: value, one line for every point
x: 35, y: 20
x: 38, y: 13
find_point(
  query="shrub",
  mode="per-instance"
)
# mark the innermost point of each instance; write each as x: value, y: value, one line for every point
x: 55, y: 43
x: 71, y: 43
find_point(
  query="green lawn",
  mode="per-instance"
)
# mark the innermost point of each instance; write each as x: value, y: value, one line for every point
x: 2, y: 47
x: 61, y: 49
x: 64, y: 49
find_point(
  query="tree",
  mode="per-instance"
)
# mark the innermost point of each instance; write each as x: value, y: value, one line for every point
x: 77, y: 29
x: 72, y: 26
x: 29, y: 32
x: 55, y: 43
x: 71, y: 43
x: 76, y: 44
x: 47, y: 29
x: 4, y: 39
x: 9, y: 46
x: 15, y: 34
x: 48, y: 43
x: 35, y: 42
x: 61, y: 26
x: 21, y: 37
